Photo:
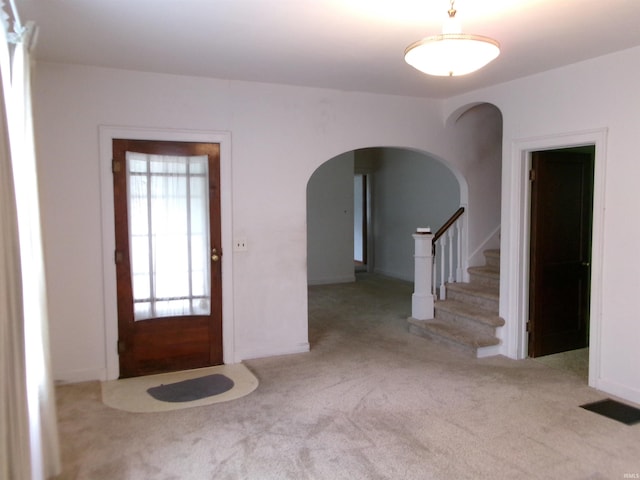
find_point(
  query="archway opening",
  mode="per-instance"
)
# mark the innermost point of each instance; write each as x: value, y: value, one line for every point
x: 404, y: 189
x: 396, y: 190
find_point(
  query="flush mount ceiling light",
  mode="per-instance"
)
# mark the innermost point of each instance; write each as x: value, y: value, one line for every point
x: 452, y: 53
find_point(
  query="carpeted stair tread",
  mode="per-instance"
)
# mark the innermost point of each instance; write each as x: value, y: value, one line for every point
x: 493, y: 252
x: 477, y: 290
x: 485, y: 275
x: 452, y: 335
x: 485, y: 271
x: 468, y: 319
x: 479, y: 315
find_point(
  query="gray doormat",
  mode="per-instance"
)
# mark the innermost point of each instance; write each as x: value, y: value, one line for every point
x: 192, y: 389
x: 615, y: 410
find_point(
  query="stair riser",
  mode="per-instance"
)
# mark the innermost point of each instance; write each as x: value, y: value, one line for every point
x: 492, y: 258
x: 492, y: 261
x: 464, y: 322
x: 489, y: 281
x: 482, y: 302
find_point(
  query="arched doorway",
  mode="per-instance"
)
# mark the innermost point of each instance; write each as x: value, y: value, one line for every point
x: 402, y: 197
x: 405, y: 189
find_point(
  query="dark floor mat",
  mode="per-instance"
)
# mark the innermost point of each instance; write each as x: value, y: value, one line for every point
x: 615, y: 410
x: 193, y: 389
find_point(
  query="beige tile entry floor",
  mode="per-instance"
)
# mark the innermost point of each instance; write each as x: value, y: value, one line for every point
x: 130, y: 394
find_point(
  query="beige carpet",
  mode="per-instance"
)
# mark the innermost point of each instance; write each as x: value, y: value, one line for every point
x: 371, y: 402
x: 574, y: 361
x: 130, y: 394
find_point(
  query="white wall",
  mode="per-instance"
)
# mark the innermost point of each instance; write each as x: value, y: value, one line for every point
x: 330, y: 218
x: 475, y: 131
x: 279, y: 136
x: 410, y: 190
x: 596, y: 101
x: 478, y: 140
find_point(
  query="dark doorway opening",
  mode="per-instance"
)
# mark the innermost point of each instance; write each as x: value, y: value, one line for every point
x: 560, y: 249
x: 360, y: 222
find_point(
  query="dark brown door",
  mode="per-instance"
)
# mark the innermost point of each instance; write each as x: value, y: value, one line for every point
x: 167, y: 223
x: 561, y: 222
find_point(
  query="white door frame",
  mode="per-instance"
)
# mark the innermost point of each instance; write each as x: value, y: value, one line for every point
x: 516, y: 263
x: 110, y: 308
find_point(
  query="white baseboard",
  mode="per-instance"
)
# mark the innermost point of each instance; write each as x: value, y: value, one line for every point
x: 395, y: 275
x: 492, y: 351
x: 249, y: 354
x: 332, y: 280
x: 100, y: 374
x: 621, y: 391
x: 78, y: 376
x: 492, y: 241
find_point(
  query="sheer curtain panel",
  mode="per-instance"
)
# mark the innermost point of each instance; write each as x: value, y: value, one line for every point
x: 14, y: 420
x: 168, y: 200
x: 30, y: 353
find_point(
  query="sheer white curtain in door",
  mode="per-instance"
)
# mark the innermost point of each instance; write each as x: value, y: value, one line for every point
x: 25, y: 348
x: 168, y: 204
x: 14, y: 419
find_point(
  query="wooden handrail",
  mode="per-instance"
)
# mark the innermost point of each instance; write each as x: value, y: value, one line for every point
x: 448, y: 224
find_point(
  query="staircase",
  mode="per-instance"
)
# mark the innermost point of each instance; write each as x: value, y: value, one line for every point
x: 468, y: 319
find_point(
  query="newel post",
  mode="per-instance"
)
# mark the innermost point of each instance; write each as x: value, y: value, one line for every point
x: 422, y: 299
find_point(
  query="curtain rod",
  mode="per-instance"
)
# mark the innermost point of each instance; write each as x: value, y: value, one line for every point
x: 21, y: 33
x: 17, y: 25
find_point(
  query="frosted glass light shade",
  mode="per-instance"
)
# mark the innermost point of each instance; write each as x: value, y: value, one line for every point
x: 451, y: 54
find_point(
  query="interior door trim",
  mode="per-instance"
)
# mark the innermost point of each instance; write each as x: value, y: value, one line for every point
x: 110, y: 320
x: 515, y: 240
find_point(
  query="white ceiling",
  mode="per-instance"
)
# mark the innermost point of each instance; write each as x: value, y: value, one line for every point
x: 340, y: 44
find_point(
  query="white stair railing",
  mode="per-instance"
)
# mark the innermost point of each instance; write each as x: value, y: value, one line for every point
x: 448, y: 240
x: 447, y: 244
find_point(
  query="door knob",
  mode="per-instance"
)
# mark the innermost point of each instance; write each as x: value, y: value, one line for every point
x: 586, y: 264
x: 214, y: 255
